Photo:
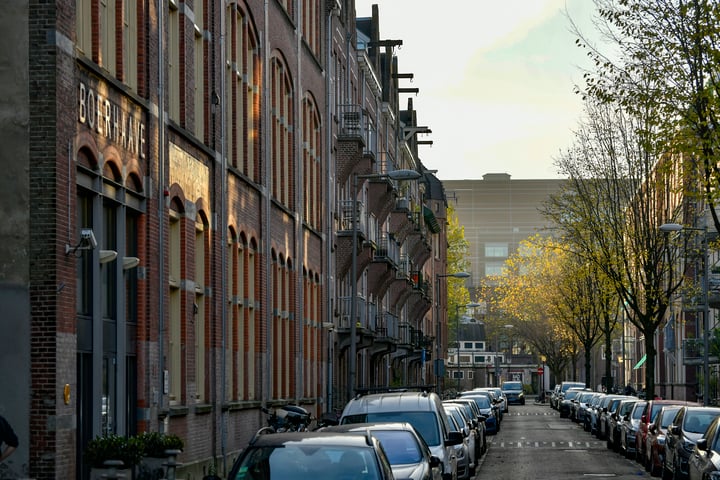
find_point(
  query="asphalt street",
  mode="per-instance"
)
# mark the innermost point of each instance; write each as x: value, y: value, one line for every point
x: 535, y: 443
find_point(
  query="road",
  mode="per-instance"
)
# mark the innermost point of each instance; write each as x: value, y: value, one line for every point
x: 535, y: 443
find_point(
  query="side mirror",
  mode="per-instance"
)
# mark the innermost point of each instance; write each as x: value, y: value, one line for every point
x: 643, y: 419
x: 434, y: 461
x: 674, y: 429
x: 702, y: 444
x: 454, y: 438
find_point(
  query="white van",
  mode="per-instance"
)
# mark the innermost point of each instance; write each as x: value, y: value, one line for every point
x: 423, y: 410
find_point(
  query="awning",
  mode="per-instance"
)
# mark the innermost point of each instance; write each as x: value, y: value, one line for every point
x: 430, y: 220
x: 640, y: 363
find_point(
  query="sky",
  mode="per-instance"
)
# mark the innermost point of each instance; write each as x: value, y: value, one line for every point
x: 496, y: 80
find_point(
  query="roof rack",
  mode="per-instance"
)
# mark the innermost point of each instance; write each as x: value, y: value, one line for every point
x: 425, y: 389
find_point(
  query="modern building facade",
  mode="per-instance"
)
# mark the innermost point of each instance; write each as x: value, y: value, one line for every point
x: 203, y: 219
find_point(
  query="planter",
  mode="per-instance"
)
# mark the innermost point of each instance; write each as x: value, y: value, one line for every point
x: 114, y: 469
x: 151, y: 468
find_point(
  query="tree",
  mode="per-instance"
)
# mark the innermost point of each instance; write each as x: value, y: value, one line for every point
x: 619, y: 190
x: 526, y: 293
x: 663, y: 57
x: 457, y: 261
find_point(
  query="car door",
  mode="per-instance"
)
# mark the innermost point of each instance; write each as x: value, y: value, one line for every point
x: 673, y: 436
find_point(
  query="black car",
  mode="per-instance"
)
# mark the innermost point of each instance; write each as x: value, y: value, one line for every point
x: 567, y: 400
x: 312, y: 456
x: 687, y: 427
x: 615, y: 422
x: 705, y: 460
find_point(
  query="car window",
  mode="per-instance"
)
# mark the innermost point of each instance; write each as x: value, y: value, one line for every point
x: 698, y: 421
x: 400, y: 447
x: 424, y: 422
x: 668, y: 414
x: 512, y: 386
x: 304, y: 463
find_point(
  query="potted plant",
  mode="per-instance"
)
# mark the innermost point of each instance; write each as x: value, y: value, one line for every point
x: 104, y: 453
x: 156, y: 447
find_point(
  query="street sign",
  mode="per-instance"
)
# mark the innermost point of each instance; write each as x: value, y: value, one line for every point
x: 540, y: 370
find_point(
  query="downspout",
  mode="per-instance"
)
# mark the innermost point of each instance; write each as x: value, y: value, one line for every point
x: 330, y: 194
x: 266, y: 233
x: 161, y: 208
x: 220, y: 97
x: 299, y: 175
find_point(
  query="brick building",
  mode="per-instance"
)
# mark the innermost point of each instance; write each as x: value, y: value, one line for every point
x: 185, y: 212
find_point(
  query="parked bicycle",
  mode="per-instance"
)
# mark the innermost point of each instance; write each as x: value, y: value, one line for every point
x: 287, y: 418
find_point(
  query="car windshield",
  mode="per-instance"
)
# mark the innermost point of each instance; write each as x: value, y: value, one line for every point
x: 667, y: 417
x: 305, y: 463
x: 697, y: 422
x: 424, y: 422
x: 512, y: 386
x: 401, y: 447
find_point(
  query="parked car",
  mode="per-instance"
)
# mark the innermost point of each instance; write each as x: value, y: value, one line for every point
x: 492, y: 423
x: 687, y: 427
x: 590, y: 418
x: 554, y: 397
x: 495, y: 399
x: 564, y: 386
x: 704, y: 462
x: 629, y: 429
x: 514, y: 392
x: 491, y: 398
x: 567, y: 400
x: 311, y: 456
x: 467, y: 427
x: 650, y: 412
x: 423, y: 410
x: 615, y: 421
x: 462, y: 451
x: 501, y: 395
x: 407, y: 452
x: 580, y: 405
x: 606, y: 414
x: 478, y: 421
x: 655, y: 442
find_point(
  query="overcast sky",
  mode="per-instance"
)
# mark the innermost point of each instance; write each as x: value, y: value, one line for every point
x: 496, y: 80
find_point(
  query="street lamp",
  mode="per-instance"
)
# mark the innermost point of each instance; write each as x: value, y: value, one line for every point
x: 402, y: 174
x: 457, y: 335
x: 676, y: 227
x: 438, y: 330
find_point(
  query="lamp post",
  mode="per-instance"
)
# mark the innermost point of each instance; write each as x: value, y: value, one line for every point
x: 457, y: 335
x: 438, y: 330
x: 676, y: 227
x: 398, y: 175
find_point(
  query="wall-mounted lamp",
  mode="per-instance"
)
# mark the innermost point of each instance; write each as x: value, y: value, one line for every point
x: 87, y: 242
x: 107, y: 256
x: 130, y: 262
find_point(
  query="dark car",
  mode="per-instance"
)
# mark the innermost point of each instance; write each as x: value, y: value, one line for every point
x: 407, y: 452
x: 312, y: 456
x: 606, y: 414
x: 629, y: 429
x: 651, y: 410
x: 687, y: 427
x: 567, y: 400
x: 705, y: 460
x: 492, y: 423
x: 615, y: 421
x: 590, y: 418
x: 514, y: 392
x: 655, y: 441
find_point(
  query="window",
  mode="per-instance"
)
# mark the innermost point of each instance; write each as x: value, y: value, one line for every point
x: 479, y: 359
x: 311, y: 16
x: 281, y: 144
x: 107, y: 36
x: 130, y: 45
x: 174, y: 363
x: 479, y: 345
x: 467, y: 345
x: 494, y: 268
x: 173, y: 61
x: 201, y: 245
x: 496, y: 250
x: 312, y: 173
x: 199, y: 73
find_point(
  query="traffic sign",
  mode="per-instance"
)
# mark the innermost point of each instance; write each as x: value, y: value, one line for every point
x: 541, y: 370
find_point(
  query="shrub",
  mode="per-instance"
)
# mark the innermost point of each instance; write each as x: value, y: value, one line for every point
x: 154, y: 444
x: 113, y: 447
